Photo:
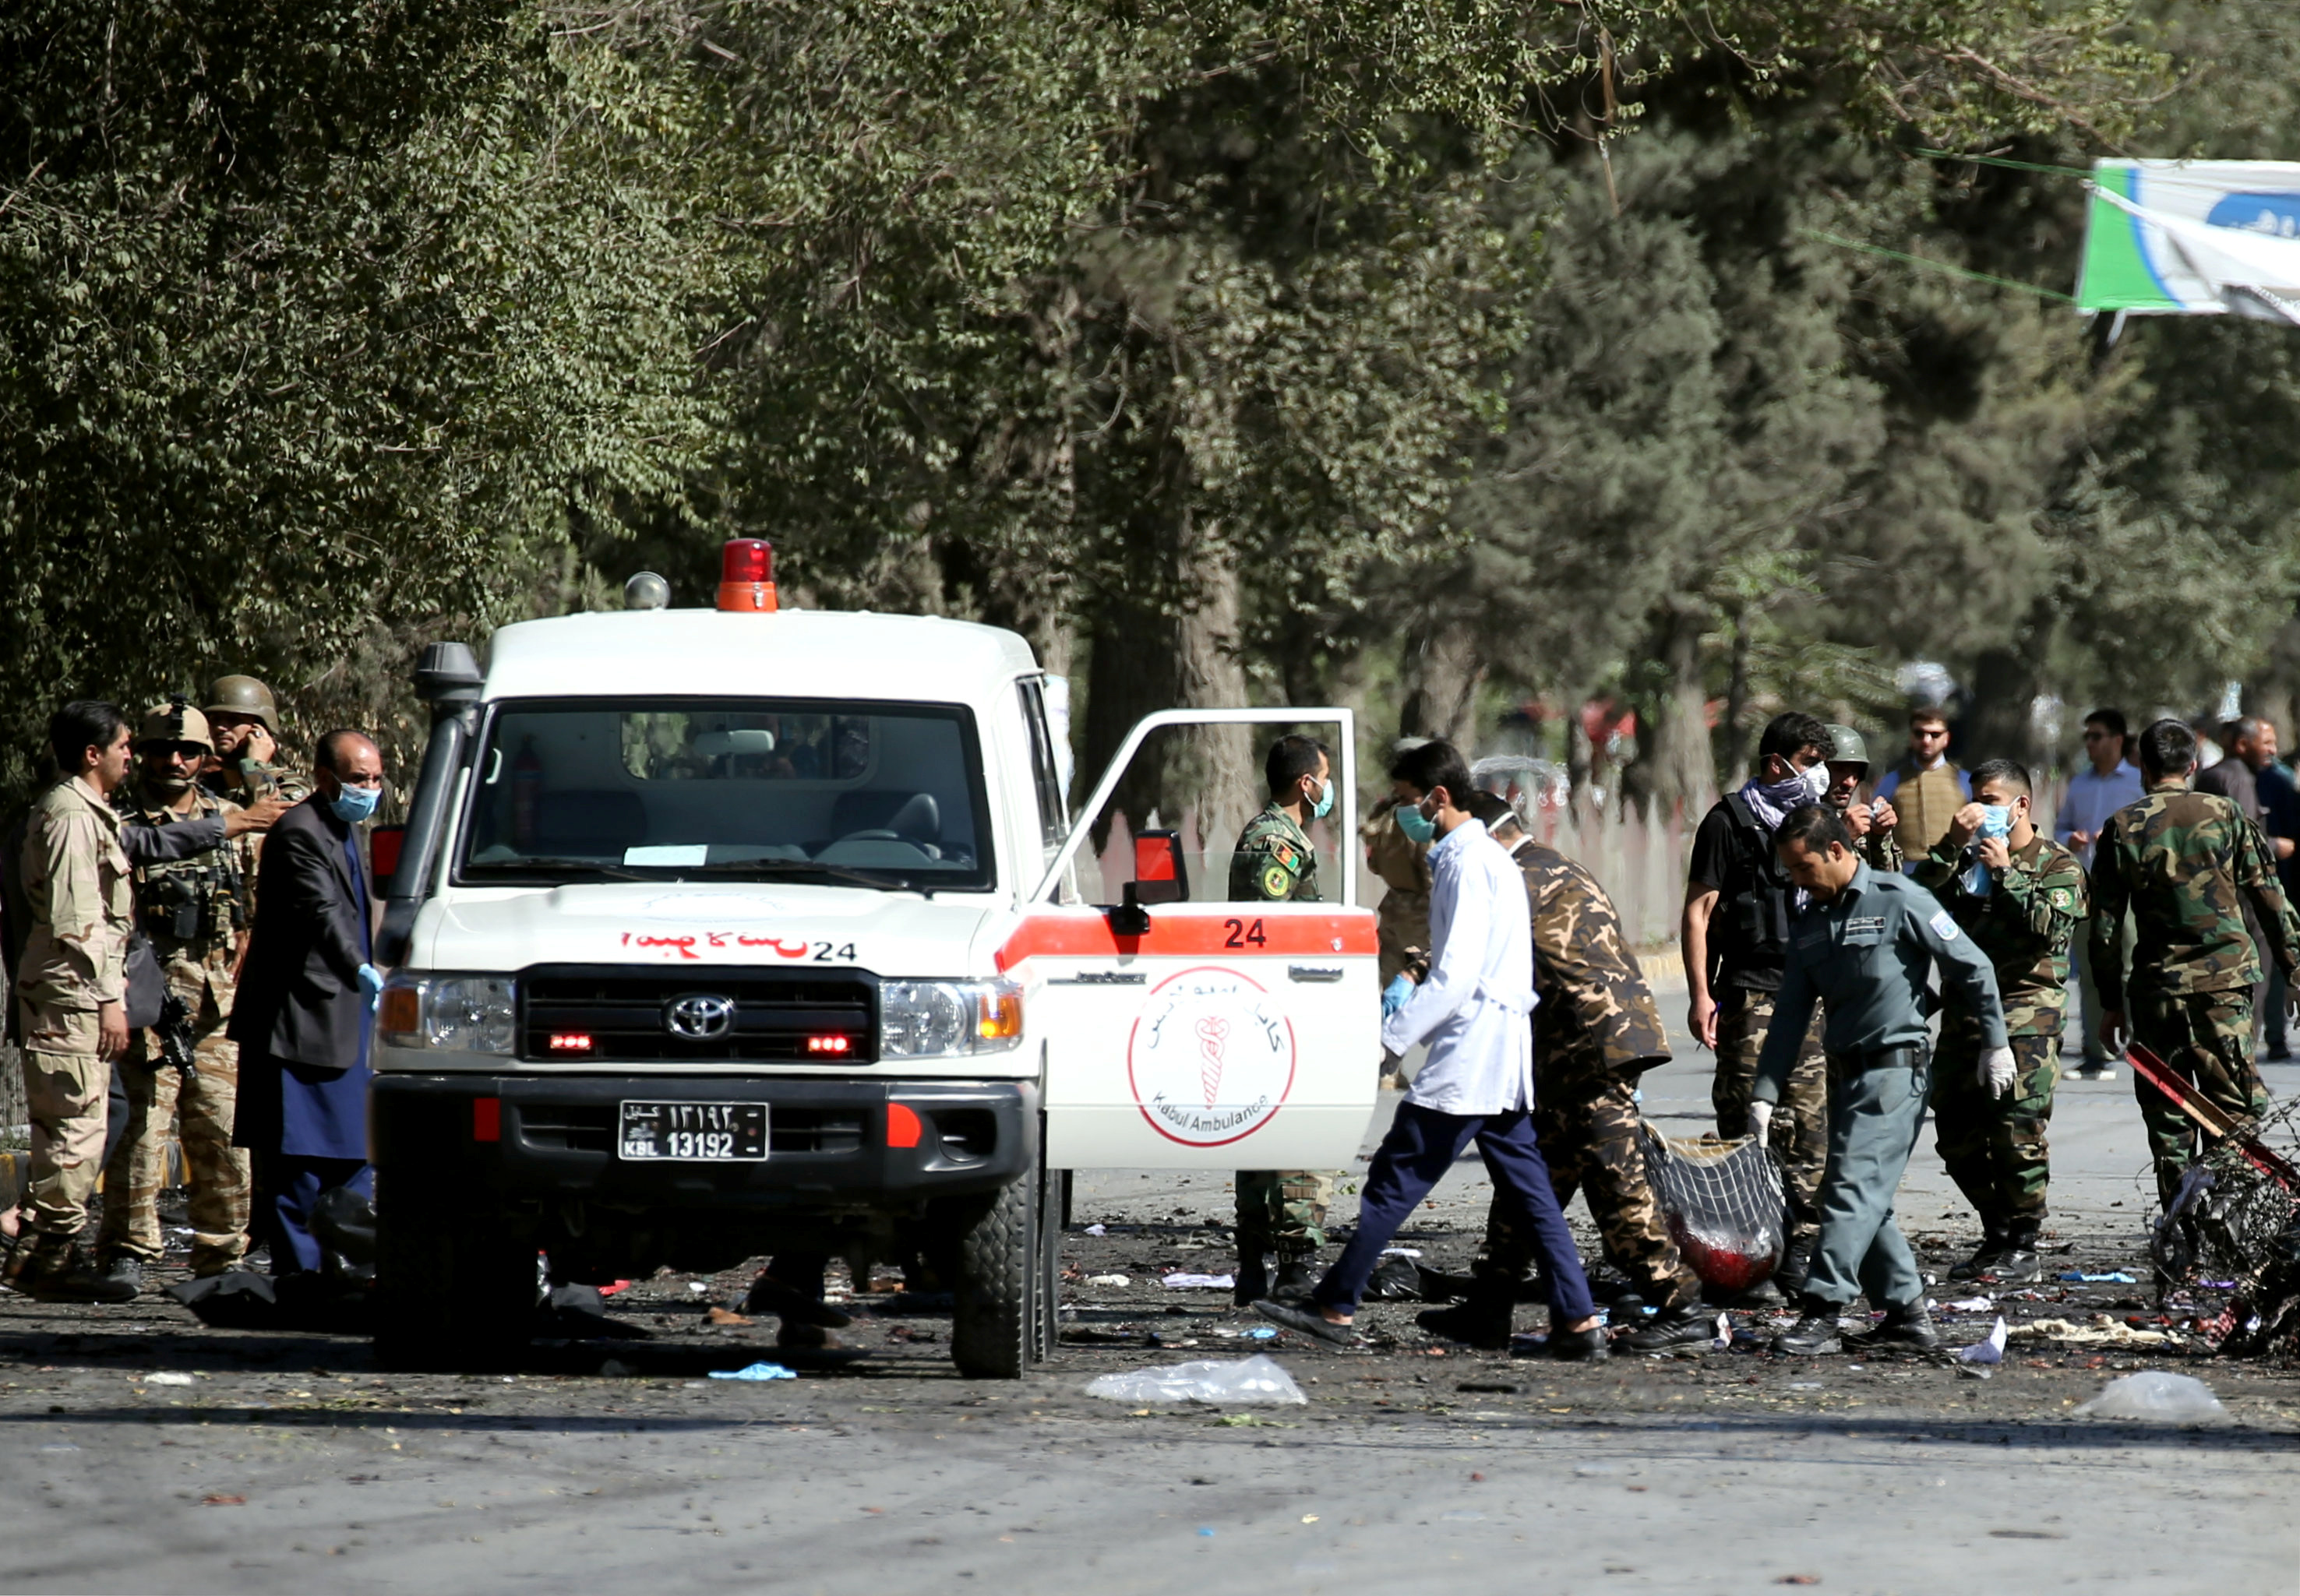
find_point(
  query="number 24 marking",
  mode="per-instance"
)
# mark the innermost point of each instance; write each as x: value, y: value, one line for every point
x: 1242, y: 935
x: 822, y: 952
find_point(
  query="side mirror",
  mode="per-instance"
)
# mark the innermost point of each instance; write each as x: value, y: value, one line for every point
x: 1159, y: 875
x: 384, y: 844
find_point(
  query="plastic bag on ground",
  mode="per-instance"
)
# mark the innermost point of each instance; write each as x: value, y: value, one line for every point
x: 2155, y: 1395
x: 757, y: 1371
x: 1256, y: 1379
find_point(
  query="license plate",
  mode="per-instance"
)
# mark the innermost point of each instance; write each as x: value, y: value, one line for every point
x: 697, y: 1133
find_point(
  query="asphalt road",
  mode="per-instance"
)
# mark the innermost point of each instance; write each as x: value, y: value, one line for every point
x: 287, y: 1464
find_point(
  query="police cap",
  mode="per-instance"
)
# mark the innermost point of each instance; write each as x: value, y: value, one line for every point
x: 245, y: 696
x: 172, y: 722
x: 1845, y: 746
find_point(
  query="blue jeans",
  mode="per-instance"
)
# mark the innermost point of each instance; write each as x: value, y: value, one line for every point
x: 1421, y: 1145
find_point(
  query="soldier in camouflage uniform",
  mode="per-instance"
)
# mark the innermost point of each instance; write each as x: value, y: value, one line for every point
x: 243, y: 721
x: 2186, y: 864
x: 1870, y: 824
x: 1282, y: 1211
x: 194, y: 911
x: 1595, y: 1032
x: 2019, y: 896
x: 1403, y: 866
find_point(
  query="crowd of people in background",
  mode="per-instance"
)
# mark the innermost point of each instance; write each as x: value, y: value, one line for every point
x: 1821, y: 931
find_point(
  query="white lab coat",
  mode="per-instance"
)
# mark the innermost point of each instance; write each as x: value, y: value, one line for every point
x: 1473, y: 1010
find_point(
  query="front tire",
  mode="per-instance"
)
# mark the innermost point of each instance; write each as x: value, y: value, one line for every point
x: 994, y: 1324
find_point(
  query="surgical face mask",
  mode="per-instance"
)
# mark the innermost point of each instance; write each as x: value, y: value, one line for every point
x: 354, y: 804
x: 1419, y: 827
x: 1325, y: 804
x: 1995, y: 821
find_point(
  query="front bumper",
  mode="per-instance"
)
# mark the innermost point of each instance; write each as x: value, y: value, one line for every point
x: 524, y: 1138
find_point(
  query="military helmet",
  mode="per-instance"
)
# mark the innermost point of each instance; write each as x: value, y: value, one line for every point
x: 245, y: 696
x: 174, y: 721
x: 1845, y: 746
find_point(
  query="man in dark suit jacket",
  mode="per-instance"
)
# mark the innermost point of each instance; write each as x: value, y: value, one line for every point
x: 301, y: 1016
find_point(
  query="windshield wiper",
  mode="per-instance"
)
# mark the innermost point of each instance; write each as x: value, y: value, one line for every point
x: 595, y: 866
x: 782, y: 867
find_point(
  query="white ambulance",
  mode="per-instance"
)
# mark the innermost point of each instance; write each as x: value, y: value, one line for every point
x: 722, y: 931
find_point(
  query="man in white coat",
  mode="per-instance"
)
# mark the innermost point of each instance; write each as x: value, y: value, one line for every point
x: 1474, y: 1011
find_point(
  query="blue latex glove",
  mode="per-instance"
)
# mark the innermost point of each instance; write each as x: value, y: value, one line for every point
x: 1394, y: 995
x: 370, y: 984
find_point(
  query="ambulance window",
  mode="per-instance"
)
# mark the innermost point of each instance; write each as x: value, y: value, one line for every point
x: 886, y: 795
x: 1045, y: 775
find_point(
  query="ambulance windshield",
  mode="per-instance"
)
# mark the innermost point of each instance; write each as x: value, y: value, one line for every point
x: 876, y: 794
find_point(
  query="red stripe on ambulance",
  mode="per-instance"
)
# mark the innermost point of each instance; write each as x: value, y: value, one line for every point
x: 1085, y: 933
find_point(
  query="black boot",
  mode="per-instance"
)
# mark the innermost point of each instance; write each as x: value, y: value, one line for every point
x: 1906, y: 1327
x: 124, y: 1268
x: 1482, y: 1319
x: 1796, y: 1263
x: 1297, y: 1273
x: 1253, y: 1278
x: 1577, y: 1346
x: 57, y: 1269
x: 1985, y: 1256
x: 1684, y: 1325
x: 1814, y: 1332
x: 2018, y: 1262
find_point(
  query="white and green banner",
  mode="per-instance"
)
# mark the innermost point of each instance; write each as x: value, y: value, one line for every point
x: 2193, y: 238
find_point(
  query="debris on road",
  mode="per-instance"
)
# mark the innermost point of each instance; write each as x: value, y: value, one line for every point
x: 757, y: 1371
x: 2159, y: 1398
x: 1190, y: 1283
x: 2103, y: 1331
x: 1257, y: 1379
x: 1988, y: 1349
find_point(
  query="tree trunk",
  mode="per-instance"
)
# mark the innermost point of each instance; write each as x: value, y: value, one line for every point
x: 1440, y: 677
x: 1165, y: 635
x: 1733, y: 739
x: 1673, y: 769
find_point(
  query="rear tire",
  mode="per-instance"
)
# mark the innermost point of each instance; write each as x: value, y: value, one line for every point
x: 453, y: 1291
x: 994, y: 1324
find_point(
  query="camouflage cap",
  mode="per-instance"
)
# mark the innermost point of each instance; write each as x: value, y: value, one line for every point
x: 245, y: 696
x: 1845, y: 746
x: 174, y: 721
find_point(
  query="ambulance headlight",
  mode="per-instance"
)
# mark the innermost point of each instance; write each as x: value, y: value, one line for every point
x: 466, y: 1014
x: 926, y: 1019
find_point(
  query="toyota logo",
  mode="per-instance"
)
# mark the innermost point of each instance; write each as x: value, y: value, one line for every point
x: 699, y: 1017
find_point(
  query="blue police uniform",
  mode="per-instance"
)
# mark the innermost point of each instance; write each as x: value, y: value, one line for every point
x: 1864, y: 956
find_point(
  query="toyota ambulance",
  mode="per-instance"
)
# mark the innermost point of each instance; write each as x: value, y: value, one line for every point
x: 723, y: 932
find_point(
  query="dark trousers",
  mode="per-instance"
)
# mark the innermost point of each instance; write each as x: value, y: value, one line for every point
x: 1421, y: 1145
x: 287, y: 1188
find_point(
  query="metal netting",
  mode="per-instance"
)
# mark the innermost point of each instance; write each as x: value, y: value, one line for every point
x: 1723, y: 1204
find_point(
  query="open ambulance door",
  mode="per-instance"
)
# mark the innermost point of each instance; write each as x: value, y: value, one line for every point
x: 1183, y: 1030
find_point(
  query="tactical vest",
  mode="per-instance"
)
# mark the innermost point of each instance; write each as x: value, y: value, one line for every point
x: 195, y: 900
x: 1755, y: 905
x: 1926, y: 801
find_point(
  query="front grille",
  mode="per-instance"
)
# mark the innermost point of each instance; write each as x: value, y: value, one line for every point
x: 777, y: 1013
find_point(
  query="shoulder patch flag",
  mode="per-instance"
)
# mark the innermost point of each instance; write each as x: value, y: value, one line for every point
x: 1945, y: 926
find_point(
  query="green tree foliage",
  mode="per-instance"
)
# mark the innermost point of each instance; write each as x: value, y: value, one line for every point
x: 316, y: 322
